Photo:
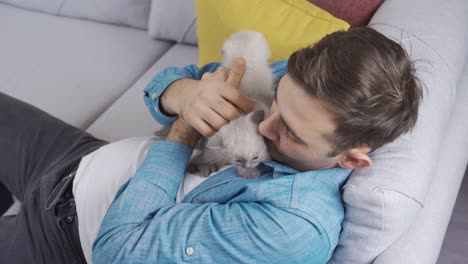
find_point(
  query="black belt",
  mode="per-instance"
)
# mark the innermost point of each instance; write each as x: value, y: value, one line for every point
x: 62, y: 201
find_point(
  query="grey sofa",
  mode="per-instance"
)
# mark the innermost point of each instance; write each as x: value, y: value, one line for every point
x: 92, y: 74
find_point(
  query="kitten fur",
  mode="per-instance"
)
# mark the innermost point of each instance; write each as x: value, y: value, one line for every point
x: 237, y: 143
x: 258, y: 78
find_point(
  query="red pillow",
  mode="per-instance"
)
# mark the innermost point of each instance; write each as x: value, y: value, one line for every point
x: 356, y: 12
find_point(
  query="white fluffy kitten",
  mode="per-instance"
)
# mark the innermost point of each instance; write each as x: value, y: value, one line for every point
x: 258, y: 78
x: 238, y: 143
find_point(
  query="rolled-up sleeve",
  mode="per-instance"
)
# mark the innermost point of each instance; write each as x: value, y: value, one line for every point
x: 144, y: 224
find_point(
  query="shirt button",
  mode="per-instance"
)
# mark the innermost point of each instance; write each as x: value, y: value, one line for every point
x: 189, y: 251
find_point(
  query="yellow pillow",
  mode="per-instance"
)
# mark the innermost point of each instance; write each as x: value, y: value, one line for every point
x: 288, y: 25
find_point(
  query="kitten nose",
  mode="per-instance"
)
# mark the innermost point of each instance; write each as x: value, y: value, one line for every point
x: 249, y: 164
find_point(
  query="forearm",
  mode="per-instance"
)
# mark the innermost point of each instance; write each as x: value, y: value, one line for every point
x: 183, y: 133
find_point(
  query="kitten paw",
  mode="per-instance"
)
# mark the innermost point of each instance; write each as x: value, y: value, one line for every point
x: 202, y: 170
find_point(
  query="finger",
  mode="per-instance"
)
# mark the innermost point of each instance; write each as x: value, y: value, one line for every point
x: 220, y: 74
x: 237, y: 71
x: 238, y: 99
x: 214, y: 119
x: 204, y: 128
x: 226, y: 110
x: 207, y: 76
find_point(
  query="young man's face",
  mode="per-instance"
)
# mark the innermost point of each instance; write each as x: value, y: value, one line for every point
x: 295, y: 129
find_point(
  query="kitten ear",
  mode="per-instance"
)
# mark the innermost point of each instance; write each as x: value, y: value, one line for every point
x: 257, y: 116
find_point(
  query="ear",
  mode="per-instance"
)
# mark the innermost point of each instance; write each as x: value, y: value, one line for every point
x: 257, y: 116
x: 356, y: 158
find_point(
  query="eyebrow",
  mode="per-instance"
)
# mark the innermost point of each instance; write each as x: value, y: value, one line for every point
x: 284, y: 121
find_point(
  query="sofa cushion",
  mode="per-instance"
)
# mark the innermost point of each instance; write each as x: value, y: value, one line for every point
x: 173, y: 20
x: 130, y: 108
x: 133, y: 13
x: 356, y: 13
x: 286, y: 24
x: 72, y: 69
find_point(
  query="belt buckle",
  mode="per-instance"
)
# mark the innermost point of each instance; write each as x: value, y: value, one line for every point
x: 58, y: 191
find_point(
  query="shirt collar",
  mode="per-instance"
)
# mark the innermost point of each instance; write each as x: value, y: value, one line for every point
x: 280, y: 168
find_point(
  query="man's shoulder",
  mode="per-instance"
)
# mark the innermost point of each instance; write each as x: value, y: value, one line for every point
x: 311, y: 195
x: 319, y: 186
x: 318, y: 195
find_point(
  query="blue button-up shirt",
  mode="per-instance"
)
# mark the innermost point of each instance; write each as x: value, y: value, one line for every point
x: 284, y: 216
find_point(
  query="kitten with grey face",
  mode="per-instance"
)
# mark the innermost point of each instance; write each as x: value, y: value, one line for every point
x: 238, y: 144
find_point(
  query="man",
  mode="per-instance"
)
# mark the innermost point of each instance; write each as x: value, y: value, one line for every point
x: 350, y: 93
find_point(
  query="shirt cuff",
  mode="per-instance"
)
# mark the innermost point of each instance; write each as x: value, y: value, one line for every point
x: 155, y: 89
x: 156, y: 112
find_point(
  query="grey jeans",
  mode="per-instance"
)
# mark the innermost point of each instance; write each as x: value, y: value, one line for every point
x: 36, y: 152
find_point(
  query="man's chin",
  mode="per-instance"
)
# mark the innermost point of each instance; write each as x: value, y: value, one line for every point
x: 276, y: 156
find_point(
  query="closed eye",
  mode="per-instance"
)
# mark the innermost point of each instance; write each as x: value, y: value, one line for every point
x: 290, y: 136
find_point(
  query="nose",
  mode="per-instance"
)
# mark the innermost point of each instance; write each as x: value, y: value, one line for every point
x: 250, y: 164
x: 269, y: 127
x: 246, y: 164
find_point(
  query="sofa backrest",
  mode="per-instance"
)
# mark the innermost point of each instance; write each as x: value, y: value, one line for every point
x: 133, y: 13
x: 174, y: 21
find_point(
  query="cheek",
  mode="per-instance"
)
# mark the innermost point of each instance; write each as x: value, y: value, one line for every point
x: 294, y: 152
x: 287, y: 146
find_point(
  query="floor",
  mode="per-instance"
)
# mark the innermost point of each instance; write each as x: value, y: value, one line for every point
x: 455, y: 247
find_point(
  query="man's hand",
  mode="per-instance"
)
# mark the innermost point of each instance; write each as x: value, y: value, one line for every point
x: 183, y: 133
x: 211, y: 102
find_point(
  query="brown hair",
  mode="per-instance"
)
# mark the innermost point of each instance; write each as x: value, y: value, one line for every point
x: 366, y: 80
